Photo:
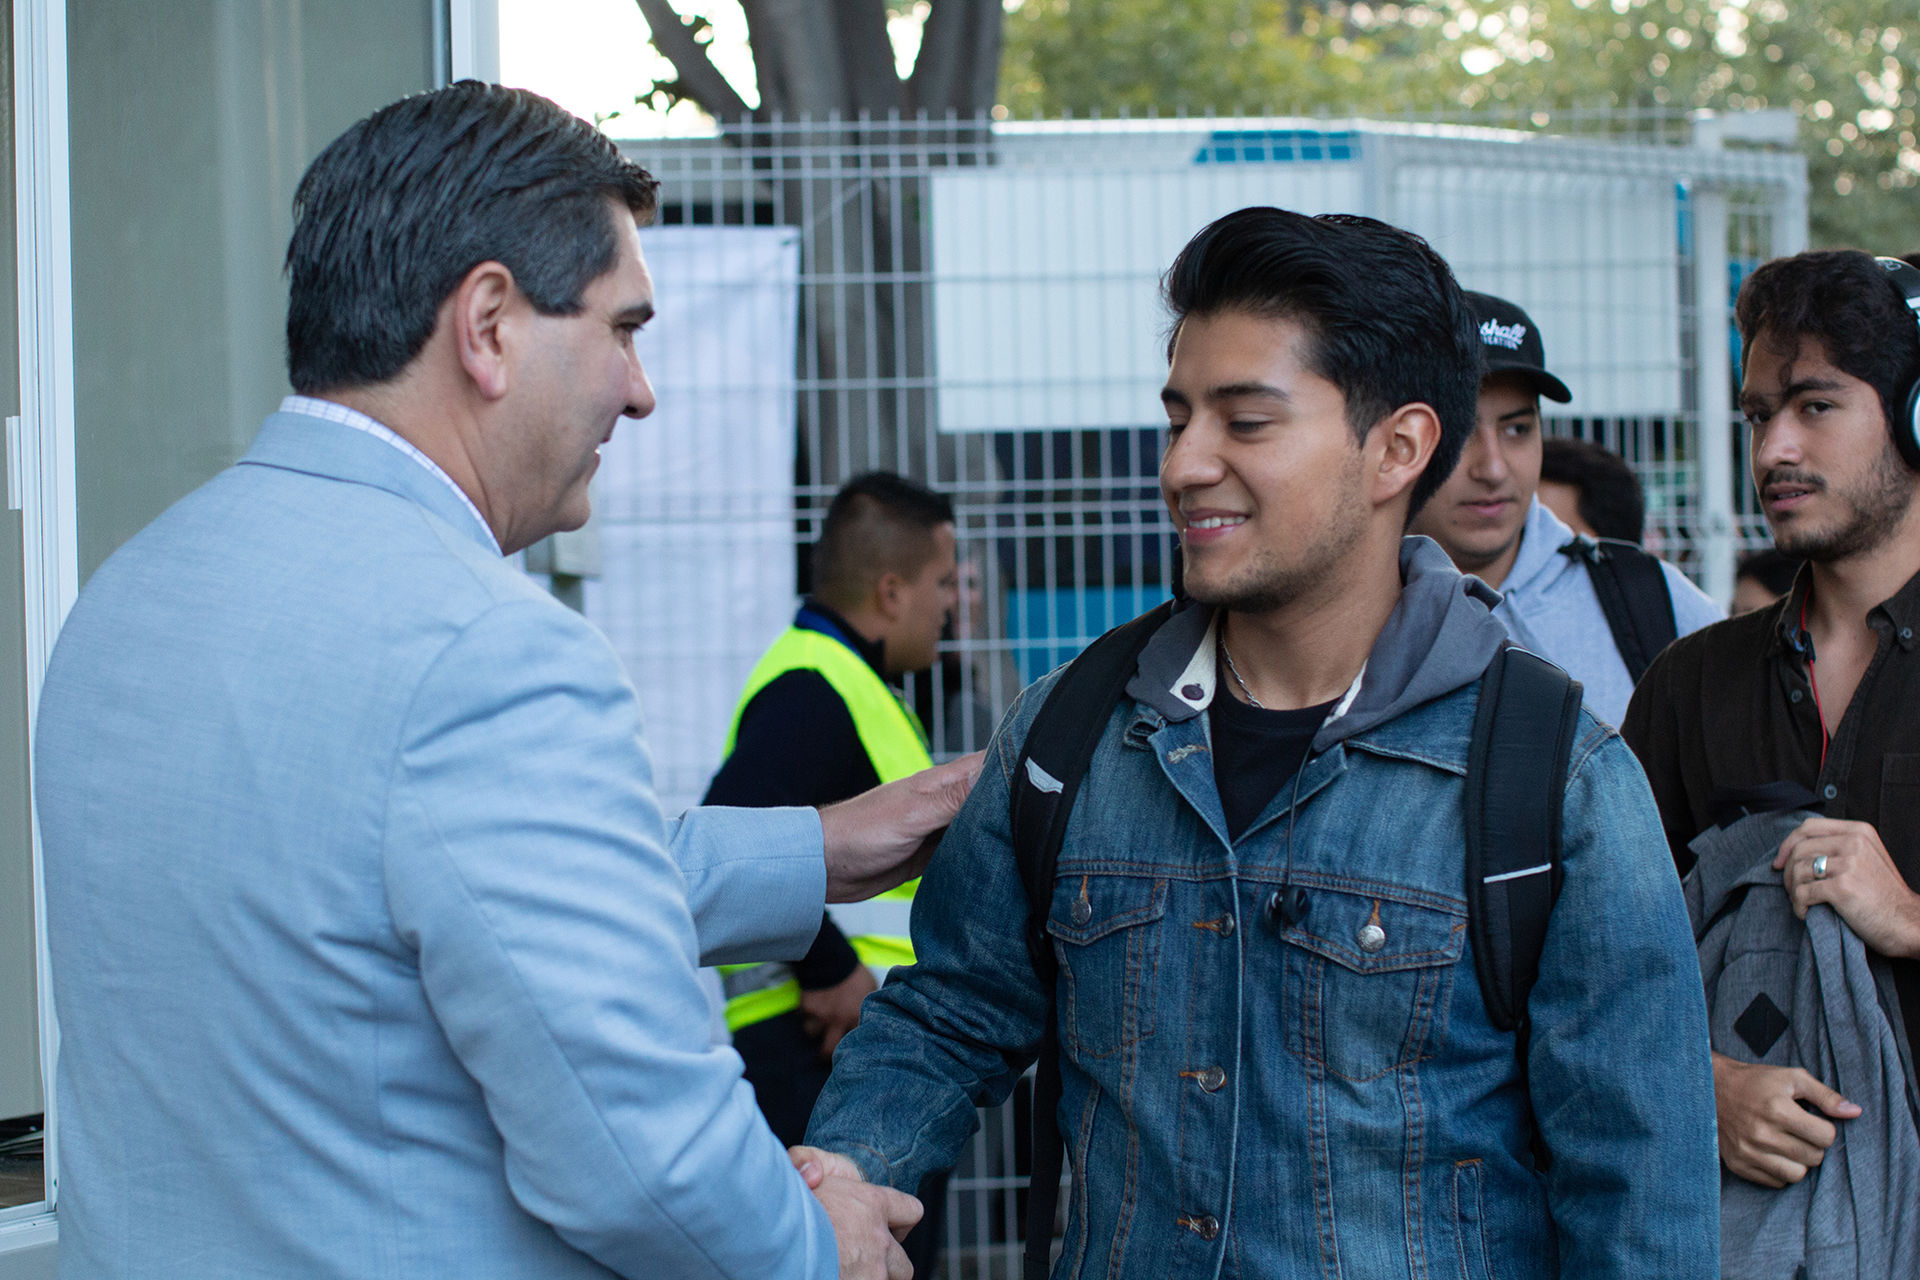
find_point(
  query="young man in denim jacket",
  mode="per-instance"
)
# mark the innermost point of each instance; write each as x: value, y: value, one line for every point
x: 1276, y: 1058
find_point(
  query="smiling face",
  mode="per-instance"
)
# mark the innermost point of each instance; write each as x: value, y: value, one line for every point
x: 1263, y: 476
x: 1479, y: 514
x: 1831, y: 483
x: 574, y: 378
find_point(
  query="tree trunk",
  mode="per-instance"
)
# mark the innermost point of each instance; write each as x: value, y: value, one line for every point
x: 854, y: 180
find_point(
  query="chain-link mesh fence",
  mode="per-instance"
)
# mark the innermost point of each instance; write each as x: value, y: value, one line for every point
x: 975, y: 304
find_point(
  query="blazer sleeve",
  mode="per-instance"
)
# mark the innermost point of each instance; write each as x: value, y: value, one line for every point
x: 553, y: 915
x: 756, y: 879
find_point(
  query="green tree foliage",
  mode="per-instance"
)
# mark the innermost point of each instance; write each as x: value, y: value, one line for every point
x: 1848, y: 69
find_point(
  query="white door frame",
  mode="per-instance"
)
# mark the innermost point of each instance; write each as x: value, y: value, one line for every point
x: 43, y: 459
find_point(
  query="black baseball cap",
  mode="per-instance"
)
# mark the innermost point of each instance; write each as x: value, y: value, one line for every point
x: 1510, y: 341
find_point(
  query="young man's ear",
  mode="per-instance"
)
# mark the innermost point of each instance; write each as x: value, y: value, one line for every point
x: 1399, y: 448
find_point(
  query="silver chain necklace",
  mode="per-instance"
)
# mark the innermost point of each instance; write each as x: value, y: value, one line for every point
x: 1235, y: 672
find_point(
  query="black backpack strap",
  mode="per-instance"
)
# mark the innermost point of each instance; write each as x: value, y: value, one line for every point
x: 1053, y: 761
x: 1633, y: 593
x: 1523, y: 735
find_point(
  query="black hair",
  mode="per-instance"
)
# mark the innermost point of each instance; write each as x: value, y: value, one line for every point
x: 1771, y: 568
x: 399, y: 208
x: 1385, y: 320
x: 1610, y: 498
x: 1843, y: 299
x: 878, y: 523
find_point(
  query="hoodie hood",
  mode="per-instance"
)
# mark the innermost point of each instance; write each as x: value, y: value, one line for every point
x: 1539, y: 561
x: 1439, y: 637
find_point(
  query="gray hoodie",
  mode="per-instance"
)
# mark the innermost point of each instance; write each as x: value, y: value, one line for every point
x: 1439, y: 637
x: 1807, y: 995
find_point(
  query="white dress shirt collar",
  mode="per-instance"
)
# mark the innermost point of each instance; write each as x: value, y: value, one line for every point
x: 333, y: 411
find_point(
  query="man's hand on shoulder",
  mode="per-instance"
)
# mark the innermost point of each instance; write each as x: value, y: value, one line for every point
x: 1845, y: 865
x: 1766, y: 1136
x: 884, y: 837
x: 868, y: 1221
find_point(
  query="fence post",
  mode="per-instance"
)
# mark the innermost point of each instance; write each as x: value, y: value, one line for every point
x: 1712, y: 375
x: 1790, y: 218
x: 1713, y: 392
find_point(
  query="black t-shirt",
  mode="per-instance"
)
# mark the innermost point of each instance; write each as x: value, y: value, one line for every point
x: 1256, y: 752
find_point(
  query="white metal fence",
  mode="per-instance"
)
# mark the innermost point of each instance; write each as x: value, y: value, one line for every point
x: 975, y: 304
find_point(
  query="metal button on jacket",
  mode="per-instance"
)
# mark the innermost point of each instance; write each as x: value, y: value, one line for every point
x: 1226, y: 926
x: 1371, y: 937
x: 1213, y: 1079
x: 1206, y: 1226
x: 1081, y: 911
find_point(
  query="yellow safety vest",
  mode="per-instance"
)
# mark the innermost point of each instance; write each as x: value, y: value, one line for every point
x: 897, y: 747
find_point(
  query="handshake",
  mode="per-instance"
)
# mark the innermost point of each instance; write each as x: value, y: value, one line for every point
x: 868, y: 1221
x: 875, y: 841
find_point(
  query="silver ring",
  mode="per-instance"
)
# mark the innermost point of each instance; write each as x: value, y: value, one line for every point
x: 1820, y: 867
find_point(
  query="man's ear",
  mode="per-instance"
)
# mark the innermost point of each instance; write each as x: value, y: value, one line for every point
x: 889, y: 593
x: 478, y: 311
x: 1401, y: 446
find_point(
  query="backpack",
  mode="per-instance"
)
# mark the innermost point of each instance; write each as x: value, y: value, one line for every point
x: 1523, y: 735
x: 1633, y: 593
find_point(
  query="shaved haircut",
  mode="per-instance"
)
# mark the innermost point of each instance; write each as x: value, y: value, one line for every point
x: 879, y: 523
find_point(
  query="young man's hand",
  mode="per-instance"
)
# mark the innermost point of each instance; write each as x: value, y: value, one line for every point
x: 1859, y: 881
x: 1766, y: 1136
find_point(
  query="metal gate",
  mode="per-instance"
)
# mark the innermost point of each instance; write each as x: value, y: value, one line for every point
x: 976, y: 305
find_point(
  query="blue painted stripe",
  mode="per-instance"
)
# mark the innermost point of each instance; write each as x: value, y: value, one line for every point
x: 1278, y: 146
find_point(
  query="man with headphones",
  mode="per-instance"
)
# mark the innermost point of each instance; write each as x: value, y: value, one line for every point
x: 1807, y: 707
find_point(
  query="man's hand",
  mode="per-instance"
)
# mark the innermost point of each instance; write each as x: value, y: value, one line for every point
x: 868, y: 1222
x: 831, y: 1012
x: 1766, y: 1136
x: 1861, y: 882
x: 884, y: 837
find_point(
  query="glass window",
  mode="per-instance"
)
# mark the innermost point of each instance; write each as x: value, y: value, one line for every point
x: 191, y: 125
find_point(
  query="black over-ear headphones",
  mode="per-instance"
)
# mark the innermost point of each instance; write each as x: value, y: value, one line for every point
x: 1905, y: 277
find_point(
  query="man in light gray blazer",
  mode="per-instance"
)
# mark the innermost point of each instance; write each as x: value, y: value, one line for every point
x: 372, y: 951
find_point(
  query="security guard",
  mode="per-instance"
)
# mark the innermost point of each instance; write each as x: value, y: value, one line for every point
x: 819, y: 722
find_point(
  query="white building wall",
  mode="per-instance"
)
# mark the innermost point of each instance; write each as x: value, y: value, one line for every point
x: 694, y: 504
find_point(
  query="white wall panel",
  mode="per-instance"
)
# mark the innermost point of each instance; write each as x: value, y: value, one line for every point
x: 1046, y: 283
x: 1593, y: 258
x: 695, y: 504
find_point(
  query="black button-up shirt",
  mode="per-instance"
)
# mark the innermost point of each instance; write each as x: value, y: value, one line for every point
x: 1729, y: 710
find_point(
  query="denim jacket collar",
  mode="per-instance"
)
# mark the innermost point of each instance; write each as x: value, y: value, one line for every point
x: 1439, y: 637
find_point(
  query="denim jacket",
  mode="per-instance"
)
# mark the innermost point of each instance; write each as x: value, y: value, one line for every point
x: 1245, y: 1096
